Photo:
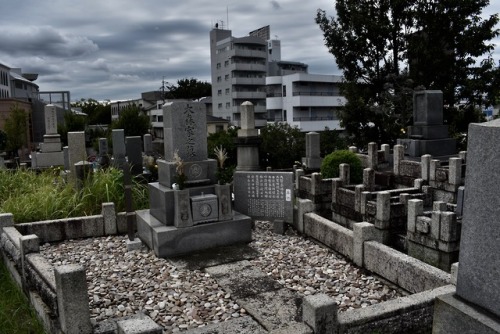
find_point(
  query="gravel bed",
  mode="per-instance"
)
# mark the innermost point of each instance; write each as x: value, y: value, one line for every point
x: 122, y: 283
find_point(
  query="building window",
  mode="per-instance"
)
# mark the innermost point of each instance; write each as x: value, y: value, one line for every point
x: 219, y: 79
x: 218, y: 65
x: 227, y: 91
x: 219, y: 92
x: 219, y: 128
x: 219, y: 106
x: 226, y: 63
x: 284, y: 91
x: 226, y: 77
x: 228, y: 105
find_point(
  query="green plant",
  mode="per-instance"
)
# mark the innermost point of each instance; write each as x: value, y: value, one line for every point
x: 16, y: 315
x: 34, y: 197
x: 330, y: 165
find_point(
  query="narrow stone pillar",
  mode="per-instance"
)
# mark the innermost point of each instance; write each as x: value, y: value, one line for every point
x: 345, y: 173
x: 369, y: 179
x: 425, y: 163
x: 399, y: 154
x: 415, y: 209
x: 372, y: 155
x: 432, y: 169
x: 361, y: 232
x: 72, y: 299
x: 303, y: 206
x: 455, y: 171
x: 383, y: 214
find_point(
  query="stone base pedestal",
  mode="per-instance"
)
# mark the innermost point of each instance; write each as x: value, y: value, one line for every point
x: 453, y: 315
x: 169, y: 241
x: 434, y: 147
x: 49, y: 159
x: 135, y: 244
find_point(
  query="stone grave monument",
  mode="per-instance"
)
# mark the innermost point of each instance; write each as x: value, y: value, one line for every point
x: 51, y: 153
x: 248, y: 140
x: 475, y: 307
x: 428, y: 135
x: 188, y: 211
x: 312, y: 160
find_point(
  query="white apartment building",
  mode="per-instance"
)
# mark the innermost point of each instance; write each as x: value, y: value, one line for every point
x: 308, y: 101
x: 239, y: 67
x: 250, y: 69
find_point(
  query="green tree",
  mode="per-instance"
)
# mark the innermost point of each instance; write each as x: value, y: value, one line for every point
x: 374, y: 43
x: 226, y: 140
x: 97, y: 112
x: 3, y: 141
x: 188, y: 89
x: 16, y: 129
x: 282, y: 145
x: 132, y: 121
x: 332, y: 140
x: 72, y: 122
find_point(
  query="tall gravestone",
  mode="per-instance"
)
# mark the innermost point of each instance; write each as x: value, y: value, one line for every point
x: 248, y: 140
x: 478, y: 281
x: 194, y: 214
x: 185, y: 133
x: 51, y: 153
x: 119, y: 149
x: 428, y: 134
x: 76, y: 149
x: 134, y: 154
x: 313, y: 158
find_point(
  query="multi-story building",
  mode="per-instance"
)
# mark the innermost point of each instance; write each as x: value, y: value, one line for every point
x: 308, y: 101
x: 250, y: 69
x: 239, y: 67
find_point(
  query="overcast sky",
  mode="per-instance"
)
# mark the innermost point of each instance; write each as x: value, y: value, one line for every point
x: 116, y: 49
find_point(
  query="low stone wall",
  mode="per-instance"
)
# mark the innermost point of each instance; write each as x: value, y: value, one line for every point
x: 58, y: 293
x: 327, y: 232
x: 410, y: 314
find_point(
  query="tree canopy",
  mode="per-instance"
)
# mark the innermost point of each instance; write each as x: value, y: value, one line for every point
x: 132, y: 121
x: 282, y: 145
x: 190, y: 89
x: 97, y: 112
x: 388, y: 48
x: 16, y: 129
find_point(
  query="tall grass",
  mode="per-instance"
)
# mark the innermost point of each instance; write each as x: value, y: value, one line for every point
x: 16, y: 316
x: 31, y: 196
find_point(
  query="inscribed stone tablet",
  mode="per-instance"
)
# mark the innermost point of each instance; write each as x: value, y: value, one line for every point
x: 264, y: 195
x: 185, y: 130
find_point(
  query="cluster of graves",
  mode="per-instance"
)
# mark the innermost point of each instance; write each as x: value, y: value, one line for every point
x: 420, y: 197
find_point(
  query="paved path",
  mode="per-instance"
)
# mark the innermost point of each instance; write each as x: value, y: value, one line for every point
x: 272, y: 308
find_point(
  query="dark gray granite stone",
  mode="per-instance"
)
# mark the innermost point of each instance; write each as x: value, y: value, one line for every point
x: 479, y: 271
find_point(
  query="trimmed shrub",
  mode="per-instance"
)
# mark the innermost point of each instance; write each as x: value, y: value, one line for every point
x: 330, y: 165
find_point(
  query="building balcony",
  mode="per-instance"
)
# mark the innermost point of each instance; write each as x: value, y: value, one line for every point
x: 274, y: 102
x: 318, y: 101
x: 248, y: 53
x: 248, y: 95
x: 249, y: 67
x: 248, y: 81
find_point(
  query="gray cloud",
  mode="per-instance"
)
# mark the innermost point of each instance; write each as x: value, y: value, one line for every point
x: 117, y: 49
x: 45, y: 41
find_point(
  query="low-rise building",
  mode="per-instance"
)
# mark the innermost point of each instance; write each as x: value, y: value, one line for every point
x: 308, y: 101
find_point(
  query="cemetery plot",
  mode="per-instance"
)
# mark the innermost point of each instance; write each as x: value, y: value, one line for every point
x: 122, y: 283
